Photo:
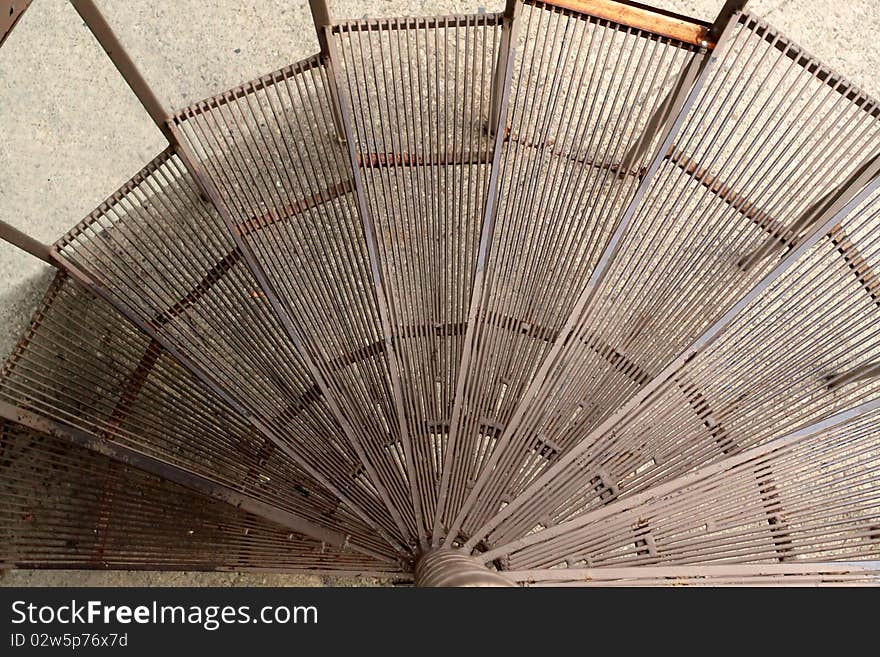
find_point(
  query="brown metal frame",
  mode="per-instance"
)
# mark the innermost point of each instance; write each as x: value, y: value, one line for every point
x: 687, y: 491
x: 103, y: 33
x: 211, y: 451
x: 676, y: 105
x: 854, y: 573
x: 495, y: 473
x: 827, y: 219
x: 11, y: 12
x: 66, y: 507
x: 169, y: 472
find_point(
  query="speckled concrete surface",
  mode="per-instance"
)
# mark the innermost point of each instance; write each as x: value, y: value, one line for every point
x: 71, y: 132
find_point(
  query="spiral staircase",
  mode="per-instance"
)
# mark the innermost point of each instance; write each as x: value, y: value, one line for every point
x: 582, y: 293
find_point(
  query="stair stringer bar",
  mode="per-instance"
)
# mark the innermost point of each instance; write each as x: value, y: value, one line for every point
x: 381, y: 297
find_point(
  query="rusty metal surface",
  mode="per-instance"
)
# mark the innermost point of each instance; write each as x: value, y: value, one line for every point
x: 266, y: 151
x: 162, y: 254
x: 682, y: 256
x: 83, y: 368
x: 546, y: 208
x: 11, y: 12
x: 763, y: 375
x: 585, y: 290
x: 808, y: 496
x: 839, y: 574
x: 653, y: 21
x: 449, y: 568
x: 423, y: 91
x: 64, y: 506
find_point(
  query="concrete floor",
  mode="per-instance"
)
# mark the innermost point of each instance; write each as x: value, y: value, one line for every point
x: 71, y: 132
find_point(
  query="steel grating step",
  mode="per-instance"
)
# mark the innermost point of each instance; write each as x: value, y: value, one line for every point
x: 575, y: 287
x: 64, y: 506
x: 84, y: 372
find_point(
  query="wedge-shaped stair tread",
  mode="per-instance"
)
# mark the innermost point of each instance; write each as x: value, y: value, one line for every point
x: 800, y: 498
x: 163, y: 255
x: 587, y: 291
x: 273, y: 155
x: 766, y: 121
x: 419, y: 93
x: 570, y: 149
x: 83, y: 366
x: 783, y: 362
x: 66, y: 507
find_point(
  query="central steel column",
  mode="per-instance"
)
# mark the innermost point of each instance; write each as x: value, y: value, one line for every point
x: 450, y: 568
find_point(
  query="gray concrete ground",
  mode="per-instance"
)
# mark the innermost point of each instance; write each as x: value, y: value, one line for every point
x: 71, y: 132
